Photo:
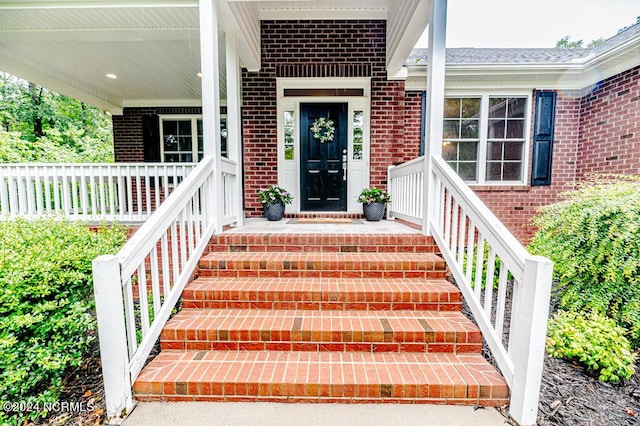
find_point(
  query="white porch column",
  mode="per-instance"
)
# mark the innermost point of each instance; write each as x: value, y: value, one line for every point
x: 211, y: 100
x: 234, y: 118
x: 435, y: 102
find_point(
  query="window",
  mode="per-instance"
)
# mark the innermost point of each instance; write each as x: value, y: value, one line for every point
x: 358, y: 126
x: 484, y: 137
x: 182, y: 140
x: 289, y: 131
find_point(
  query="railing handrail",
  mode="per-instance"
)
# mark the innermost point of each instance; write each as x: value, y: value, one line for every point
x: 148, y: 234
x: 114, y: 164
x: 492, y: 228
x: 464, y: 228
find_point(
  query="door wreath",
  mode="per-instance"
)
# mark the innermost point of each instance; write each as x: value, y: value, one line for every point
x: 323, y: 129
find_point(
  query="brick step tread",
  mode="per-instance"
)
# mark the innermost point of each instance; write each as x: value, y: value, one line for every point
x: 380, y: 243
x: 370, y: 331
x: 336, y: 265
x: 321, y: 377
x: 325, y: 293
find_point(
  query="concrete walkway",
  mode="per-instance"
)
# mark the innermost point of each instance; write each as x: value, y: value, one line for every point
x: 279, y: 414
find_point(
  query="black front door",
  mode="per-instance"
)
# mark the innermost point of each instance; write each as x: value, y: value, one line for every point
x: 323, y: 177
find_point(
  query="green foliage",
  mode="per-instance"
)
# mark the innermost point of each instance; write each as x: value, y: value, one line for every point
x: 46, y: 305
x: 595, y: 341
x: 374, y: 195
x: 564, y: 43
x: 593, y: 237
x: 37, y: 125
x: 274, y: 194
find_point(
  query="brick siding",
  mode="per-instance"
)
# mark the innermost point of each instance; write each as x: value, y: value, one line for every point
x: 322, y: 49
x: 610, y: 126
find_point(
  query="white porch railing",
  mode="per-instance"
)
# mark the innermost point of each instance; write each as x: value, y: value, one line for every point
x: 90, y: 192
x: 484, y: 257
x: 137, y: 289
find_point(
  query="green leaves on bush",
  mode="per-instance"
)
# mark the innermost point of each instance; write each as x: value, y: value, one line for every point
x: 594, y: 340
x: 46, y: 305
x: 593, y: 238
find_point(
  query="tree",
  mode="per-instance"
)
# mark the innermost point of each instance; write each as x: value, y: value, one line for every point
x: 40, y: 125
x: 566, y: 43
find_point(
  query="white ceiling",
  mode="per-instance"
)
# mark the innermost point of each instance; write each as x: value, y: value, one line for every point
x: 152, y: 46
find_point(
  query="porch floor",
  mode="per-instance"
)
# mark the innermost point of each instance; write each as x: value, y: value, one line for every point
x: 294, y: 226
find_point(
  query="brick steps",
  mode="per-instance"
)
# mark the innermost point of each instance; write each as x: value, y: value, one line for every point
x: 321, y: 377
x: 326, y: 294
x: 323, y: 265
x: 323, y: 243
x: 293, y: 330
x: 321, y: 318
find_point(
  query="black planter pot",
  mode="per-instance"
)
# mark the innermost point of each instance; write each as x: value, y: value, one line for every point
x: 274, y: 212
x: 373, y: 211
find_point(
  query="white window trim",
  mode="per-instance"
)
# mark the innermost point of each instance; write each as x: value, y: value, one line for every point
x: 484, y: 118
x: 194, y: 132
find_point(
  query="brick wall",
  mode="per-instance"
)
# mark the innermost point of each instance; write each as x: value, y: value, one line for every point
x: 412, y: 125
x: 610, y: 126
x: 318, y: 49
x: 127, y: 130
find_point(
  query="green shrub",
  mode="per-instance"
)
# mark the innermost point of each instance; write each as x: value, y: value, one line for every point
x: 46, y: 306
x: 593, y: 237
x: 595, y: 340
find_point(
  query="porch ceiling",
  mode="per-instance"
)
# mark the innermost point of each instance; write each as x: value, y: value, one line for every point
x: 153, y: 48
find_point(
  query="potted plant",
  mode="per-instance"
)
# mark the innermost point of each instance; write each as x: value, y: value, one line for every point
x: 273, y: 200
x: 374, y: 201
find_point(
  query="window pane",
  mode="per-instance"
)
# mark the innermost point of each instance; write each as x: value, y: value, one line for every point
x: 470, y: 108
x: 184, y: 127
x: 200, y: 135
x: 469, y: 129
x: 494, y: 171
x: 468, y: 151
x: 186, y: 158
x: 171, y: 158
x: 450, y: 151
x: 495, y: 129
x: 184, y: 143
x: 450, y: 130
x: 517, y: 107
x: 512, y: 171
x: 358, y: 134
x: 494, y: 151
x: 515, y: 129
x: 497, y: 108
x: 289, y: 132
x: 452, y: 108
x: 513, y: 150
x: 467, y: 171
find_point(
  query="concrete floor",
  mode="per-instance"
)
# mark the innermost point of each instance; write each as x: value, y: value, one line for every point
x: 361, y: 226
x: 282, y: 414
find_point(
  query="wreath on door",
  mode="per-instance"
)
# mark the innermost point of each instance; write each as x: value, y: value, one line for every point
x: 323, y: 129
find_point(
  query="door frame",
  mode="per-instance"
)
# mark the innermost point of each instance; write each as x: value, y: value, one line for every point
x: 357, y: 170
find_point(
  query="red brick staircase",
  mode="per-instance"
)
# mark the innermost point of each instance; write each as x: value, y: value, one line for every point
x: 322, y: 318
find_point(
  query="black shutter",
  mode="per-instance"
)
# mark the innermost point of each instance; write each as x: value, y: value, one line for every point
x: 151, y: 138
x: 543, y: 138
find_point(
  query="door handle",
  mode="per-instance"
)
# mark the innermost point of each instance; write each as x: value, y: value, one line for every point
x: 344, y: 164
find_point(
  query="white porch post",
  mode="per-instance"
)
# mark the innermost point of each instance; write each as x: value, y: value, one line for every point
x: 211, y: 101
x: 113, y: 336
x: 435, y: 103
x: 234, y: 118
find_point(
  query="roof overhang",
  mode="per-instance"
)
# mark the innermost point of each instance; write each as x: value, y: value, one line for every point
x: 153, y: 46
x: 578, y: 76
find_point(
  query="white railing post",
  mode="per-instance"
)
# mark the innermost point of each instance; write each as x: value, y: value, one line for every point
x: 113, y: 336
x: 527, y: 346
x: 390, y: 190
